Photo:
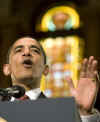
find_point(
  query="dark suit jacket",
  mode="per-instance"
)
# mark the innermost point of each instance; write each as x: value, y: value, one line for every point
x: 42, y: 95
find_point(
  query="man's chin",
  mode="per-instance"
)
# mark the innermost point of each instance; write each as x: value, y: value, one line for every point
x: 26, y: 79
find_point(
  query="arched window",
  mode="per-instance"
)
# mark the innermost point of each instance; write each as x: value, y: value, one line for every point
x: 59, y: 18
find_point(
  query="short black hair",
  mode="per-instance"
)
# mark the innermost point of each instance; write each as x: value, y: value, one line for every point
x: 10, y: 48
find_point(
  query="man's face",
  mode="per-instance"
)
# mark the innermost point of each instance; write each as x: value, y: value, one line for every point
x: 26, y: 59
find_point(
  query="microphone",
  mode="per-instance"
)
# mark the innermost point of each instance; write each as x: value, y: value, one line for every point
x: 14, y: 91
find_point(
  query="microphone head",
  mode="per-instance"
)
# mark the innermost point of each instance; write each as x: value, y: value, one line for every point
x: 19, y: 91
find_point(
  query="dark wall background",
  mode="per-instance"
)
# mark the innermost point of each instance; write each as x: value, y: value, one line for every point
x: 18, y: 17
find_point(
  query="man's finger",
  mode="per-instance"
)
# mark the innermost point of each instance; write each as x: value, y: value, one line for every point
x: 93, y: 70
x: 94, y: 65
x: 90, y: 61
x: 70, y: 83
x: 84, y: 68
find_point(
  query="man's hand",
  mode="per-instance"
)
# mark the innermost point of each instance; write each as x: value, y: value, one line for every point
x: 88, y: 84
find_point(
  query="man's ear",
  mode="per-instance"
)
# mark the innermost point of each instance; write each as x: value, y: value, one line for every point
x: 6, y: 69
x: 46, y: 70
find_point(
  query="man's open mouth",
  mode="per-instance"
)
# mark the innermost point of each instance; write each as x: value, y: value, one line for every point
x: 27, y: 63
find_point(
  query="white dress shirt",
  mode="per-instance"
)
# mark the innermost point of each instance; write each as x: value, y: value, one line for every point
x: 94, y: 117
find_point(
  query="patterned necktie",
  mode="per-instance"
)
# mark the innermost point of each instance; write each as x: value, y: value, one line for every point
x: 25, y: 97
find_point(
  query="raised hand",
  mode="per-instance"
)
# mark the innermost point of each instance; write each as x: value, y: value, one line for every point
x: 88, y: 84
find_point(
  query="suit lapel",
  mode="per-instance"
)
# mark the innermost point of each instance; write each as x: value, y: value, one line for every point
x: 42, y: 95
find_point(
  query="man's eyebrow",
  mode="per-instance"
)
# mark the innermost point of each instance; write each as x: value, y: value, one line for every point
x: 19, y: 46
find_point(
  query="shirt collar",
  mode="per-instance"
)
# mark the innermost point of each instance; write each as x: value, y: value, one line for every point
x: 33, y: 94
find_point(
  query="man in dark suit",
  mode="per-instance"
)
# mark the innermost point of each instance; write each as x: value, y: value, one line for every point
x: 26, y: 62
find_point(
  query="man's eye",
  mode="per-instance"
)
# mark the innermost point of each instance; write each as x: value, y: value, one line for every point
x: 36, y: 51
x: 17, y: 50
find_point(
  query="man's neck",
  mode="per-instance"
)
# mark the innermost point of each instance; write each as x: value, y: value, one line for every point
x: 27, y: 87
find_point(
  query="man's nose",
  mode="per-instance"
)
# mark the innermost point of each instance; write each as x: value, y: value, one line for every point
x: 26, y: 52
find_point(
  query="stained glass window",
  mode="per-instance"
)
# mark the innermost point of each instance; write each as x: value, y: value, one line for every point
x: 64, y: 56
